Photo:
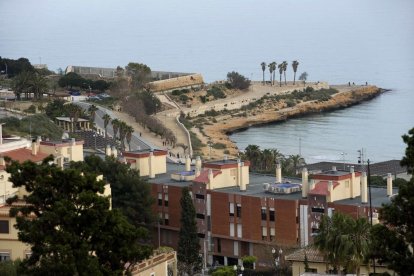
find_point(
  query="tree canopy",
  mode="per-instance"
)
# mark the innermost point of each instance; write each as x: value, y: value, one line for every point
x: 130, y: 193
x: 237, y: 81
x: 139, y: 73
x: 68, y: 223
x: 15, y: 66
x: 189, y: 260
x: 393, y: 240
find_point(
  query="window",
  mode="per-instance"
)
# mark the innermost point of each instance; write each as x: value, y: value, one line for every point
x: 236, y: 248
x: 264, y: 213
x: 159, y: 199
x: 239, y: 210
x: 231, y: 229
x: 166, y: 219
x: 198, y: 196
x: 4, y: 256
x: 218, y: 245
x: 318, y: 210
x: 239, y: 230
x: 231, y: 212
x: 166, y: 200
x: 200, y: 216
x: 201, y: 235
x: 264, y: 232
x: 4, y: 227
x: 272, y: 233
x: 272, y: 214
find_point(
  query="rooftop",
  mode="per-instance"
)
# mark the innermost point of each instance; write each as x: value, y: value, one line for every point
x: 256, y: 187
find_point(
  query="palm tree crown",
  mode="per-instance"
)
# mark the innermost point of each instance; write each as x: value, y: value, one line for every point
x: 295, y: 65
x: 263, y: 64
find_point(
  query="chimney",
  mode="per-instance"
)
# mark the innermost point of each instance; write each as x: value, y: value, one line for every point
x: 278, y: 173
x: 330, y: 190
x: 114, y: 152
x: 311, y: 185
x: 334, y: 168
x: 352, y: 186
x: 187, y: 163
x: 108, y: 150
x: 210, y: 178
x: 225, y: 158
x: 241, y: 180
x: 364, y: 188
x: 197, y: 172
x: 34, y: 148
x: 198, y: 166
x: 305, y: 187
x: 2, y: 162
x: 151, y: 164
x: 389, y: 184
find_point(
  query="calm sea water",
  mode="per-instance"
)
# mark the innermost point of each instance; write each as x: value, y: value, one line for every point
x: 336, y: 41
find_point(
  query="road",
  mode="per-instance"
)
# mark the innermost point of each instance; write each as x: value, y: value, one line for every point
x: 136, y: 141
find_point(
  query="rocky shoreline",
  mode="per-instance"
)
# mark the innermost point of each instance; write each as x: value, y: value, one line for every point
x: 221, y: 130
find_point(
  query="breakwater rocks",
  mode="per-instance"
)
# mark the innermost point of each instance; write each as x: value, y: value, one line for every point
x: 345, y: 97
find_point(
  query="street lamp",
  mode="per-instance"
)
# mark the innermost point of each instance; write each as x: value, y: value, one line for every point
x: 343, y: 158
x: 237, y: 270
x: 278, y: 258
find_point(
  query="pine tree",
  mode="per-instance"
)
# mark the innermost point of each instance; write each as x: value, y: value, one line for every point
x: 189, y: 260
x: 68, y: 223
x: 393, y: 241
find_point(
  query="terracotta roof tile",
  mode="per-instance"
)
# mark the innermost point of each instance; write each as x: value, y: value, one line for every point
x: 203, y: 177
x: 22, y: 155
x: 321, y: 188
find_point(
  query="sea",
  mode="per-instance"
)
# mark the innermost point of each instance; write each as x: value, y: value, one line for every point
x: 336, y: 41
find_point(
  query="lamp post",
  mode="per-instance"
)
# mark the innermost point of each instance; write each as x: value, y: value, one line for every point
x: 343, y: 158
x: 237, y: 270
x: 277, y: 256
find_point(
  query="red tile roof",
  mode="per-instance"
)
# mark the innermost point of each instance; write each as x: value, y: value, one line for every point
x: 203, y: 177
x: 22, y: 155
x: 321, y: 188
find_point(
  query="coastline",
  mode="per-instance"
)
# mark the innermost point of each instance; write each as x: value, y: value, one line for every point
x: 225, y: 126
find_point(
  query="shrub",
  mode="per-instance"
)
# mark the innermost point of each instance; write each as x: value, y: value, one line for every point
x: 248, y: 261
x: 216, y: 92
x: 31, y: 109
x: 290, y: 102
x: 219, y: 146
x: 237, y: 81
x: 184, y: 98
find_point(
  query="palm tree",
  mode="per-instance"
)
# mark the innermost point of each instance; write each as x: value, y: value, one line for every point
x: 253, y: 153
x: 107, y: 119
x: 280, y: 66
x: 74, y: 114
x: 295, y: 65
x: 270, y: 71
x: 21, y: 84
x: 274, y: 71
x: 37, y: 85
x: 92, y: 112
x: 115, y: 126
x: 285, y: 65
x: 360, y: 240
x: 122, y: 133
x: 129, y: 131
x: 263, y: 64
x: 297, y: 161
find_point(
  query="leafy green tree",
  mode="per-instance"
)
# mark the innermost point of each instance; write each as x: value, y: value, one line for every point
x: 237, y: 81
x: 139, y: 73
x: 295, y: 65
x: 11, y: 268
x: 303, y: 77
x: 55, y: 109
x: 71, y: 80
x: 21, y: 84
x: 393, y: 240
x: 100, y: 85
x: 224, y: 271
x: 263, y: 64
x: 68, y: 223
x: 14, y: 67
x: 189, y: 260
x: 149, y: 101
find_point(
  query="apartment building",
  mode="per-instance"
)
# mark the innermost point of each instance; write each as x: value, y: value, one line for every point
x: 240, y: 213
